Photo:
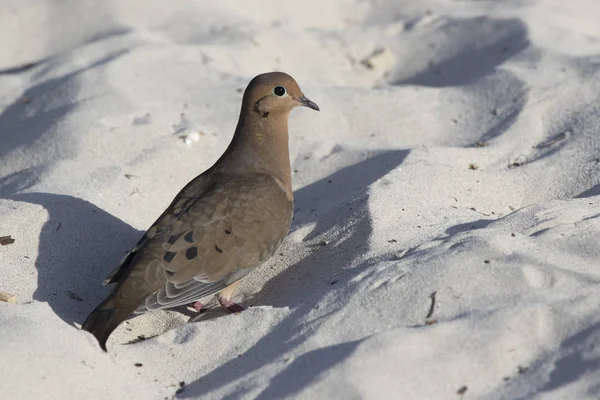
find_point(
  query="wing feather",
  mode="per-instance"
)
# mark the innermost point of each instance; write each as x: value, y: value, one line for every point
x: 223, y: 234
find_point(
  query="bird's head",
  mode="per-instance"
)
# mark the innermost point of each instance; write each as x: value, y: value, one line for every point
x: 275, y: 93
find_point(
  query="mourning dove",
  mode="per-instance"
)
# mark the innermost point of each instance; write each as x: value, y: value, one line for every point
x: 222, y: 225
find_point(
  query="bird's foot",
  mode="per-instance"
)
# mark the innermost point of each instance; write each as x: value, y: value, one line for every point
x: 230, y: 306
x: 197, y: 306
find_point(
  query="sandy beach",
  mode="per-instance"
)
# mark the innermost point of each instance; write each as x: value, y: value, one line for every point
x: 445, y: 243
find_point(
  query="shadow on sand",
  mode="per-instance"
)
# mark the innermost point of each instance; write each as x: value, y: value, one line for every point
x: 79, y: 245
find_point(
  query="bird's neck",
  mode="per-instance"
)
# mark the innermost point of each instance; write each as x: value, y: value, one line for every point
x: 260, y: 145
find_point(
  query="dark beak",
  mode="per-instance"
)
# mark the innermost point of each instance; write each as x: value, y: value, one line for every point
x: 308, y: 103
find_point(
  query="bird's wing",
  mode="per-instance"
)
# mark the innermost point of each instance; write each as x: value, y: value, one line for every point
x: 184, y: 199
x: 236, y: 225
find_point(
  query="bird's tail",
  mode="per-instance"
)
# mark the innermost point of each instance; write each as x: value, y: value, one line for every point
x: 104, y: 320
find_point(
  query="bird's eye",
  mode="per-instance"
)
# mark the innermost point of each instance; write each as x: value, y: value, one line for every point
x: 279, y: 91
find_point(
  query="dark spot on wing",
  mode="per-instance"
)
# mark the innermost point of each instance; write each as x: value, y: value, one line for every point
x: 191, y: 253
x: 169, y: 255
x: 189, y: 237
x: 218, y: 249
x: 173, y: 238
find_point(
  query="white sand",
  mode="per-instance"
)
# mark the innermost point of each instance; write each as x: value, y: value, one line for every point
x: 126, y: 101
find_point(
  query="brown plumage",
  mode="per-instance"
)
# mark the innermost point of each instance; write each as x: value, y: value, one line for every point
x: 222, y: 225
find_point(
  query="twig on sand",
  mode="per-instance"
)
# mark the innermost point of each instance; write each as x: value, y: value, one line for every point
x: 8, y: 297
x: 432, y: 306
x: 4, y: 240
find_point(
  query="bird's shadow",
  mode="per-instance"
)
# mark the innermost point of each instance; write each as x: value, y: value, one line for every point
x: 302, y: 286
x: 78, y: 246
x: 79, y: 243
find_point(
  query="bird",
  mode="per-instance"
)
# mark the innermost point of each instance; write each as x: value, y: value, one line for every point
x: 222, y: 225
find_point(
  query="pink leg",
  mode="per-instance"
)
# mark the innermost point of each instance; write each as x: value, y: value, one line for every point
x: 225, y: 295
x: 197, y: 306
x: 229, y: 305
